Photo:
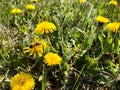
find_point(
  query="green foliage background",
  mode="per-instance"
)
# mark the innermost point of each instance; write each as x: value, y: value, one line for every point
x: 90, y: 53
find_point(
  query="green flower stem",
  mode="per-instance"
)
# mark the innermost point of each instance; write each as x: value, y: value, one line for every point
x: 78, y: 78
x: 48, y: 38
x: 44, y: 74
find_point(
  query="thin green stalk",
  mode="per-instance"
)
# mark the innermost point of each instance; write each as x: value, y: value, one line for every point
x: 114, y: 37
x: 78, y: 78
x: 3, y: 57
x: 44, y: 73
x: 48, y: 38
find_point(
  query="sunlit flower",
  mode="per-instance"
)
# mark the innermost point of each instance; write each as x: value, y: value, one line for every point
x: 113, y: 2
x: 45, y: 27
x: 52, y: 59
x: 36, y: 48
x: 114, y: 27
x: 82, y: 1
x: 30, y: 7
x: 33, y: 0
x: 102, y: 19
x: 22, y: 81
x: 16, y: 10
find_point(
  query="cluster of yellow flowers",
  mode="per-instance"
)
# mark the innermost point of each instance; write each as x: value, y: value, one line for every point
x: 38, y: 46
x: 24, y: 81
x: 114, y: 26
x: 28, y: 7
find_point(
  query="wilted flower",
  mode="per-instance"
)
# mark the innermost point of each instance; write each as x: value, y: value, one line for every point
x: 114, y: 27
x: 113, y: 2
x: 52, y: 59
x: 16, y: 10
x: 102, y: 19
x: 45, y: 27
x: 22, y: 81
x: 36, y: 48
x: 30, y: 7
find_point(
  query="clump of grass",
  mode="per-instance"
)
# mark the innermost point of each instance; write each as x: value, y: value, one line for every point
x: 85, y: 49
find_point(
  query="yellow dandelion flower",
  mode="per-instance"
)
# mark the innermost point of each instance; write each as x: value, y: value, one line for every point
x: 22, y: 81
x: 52, y: 59
x: 45, y: 27
x: 113, y: 2
x: 102, y: 19
x: 114, y: 27
x: 16, y: 10
x: 33, y: 0
x: 36, y: 48
x: 82, y: 1
x: 30, y: 7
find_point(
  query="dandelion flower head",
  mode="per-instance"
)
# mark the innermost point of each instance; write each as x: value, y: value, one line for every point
x: 114, y: 27
x: 45, y: 27
x: 52, y: 59
x: 16, y: 10
x: 30, y: 7
x: 22, y: 81
x: 102, y: 19
x: 33, y: 0
x: 82, y: 1
x: 36, y: 48
x: 113, y: 2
